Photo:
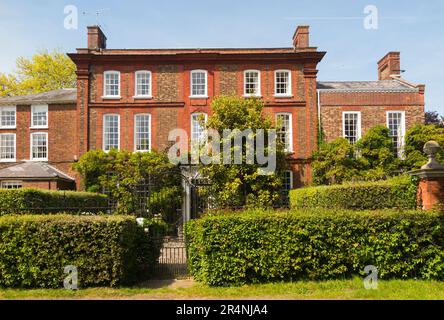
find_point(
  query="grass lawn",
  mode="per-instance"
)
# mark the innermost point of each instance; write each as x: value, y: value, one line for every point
x: 187, y: 289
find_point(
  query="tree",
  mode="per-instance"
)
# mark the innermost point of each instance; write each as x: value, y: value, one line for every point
x: 415, y: 139
x: 43, y: 72
x: 242, y: 184
x: 122, y: 173
x: 433, y: 117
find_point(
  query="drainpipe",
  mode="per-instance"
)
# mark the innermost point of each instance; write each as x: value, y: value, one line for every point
x: 318, y: 91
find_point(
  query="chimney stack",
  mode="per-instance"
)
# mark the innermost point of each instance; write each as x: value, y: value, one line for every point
x: 301, y: 37
x: 389, y: 67
x: 96, y: 38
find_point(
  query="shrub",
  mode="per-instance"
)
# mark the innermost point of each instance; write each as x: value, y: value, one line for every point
x: 399, y: 192
x: 316, y: 245
x: 25, y: 201
x: 107, y: 250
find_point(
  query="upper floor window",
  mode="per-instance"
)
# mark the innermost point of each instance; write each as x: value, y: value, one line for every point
x: 39, y: 146
x: 282, y: 83
x: 142, y: 132
x: 199, y: 80
x: 39, y: 116
x: 7, y: 147
x: 351, y: 125
x: 143, y: 84
x: 111, y: 132
x: 285, y: 130
x: 111, y: 84
x: 252, y: 83
x: 7, y: 117
x: 396, y: 126
x: 198, y: 129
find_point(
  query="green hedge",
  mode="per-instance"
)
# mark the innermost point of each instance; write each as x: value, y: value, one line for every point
x: 107, y: 250
x: 398, y: 192
x: 315, y: 245
x: 37, y: 201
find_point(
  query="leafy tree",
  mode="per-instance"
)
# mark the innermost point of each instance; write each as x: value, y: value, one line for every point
x: 242, y: 184
x: 433, y: 117
x: 43, y: 72
x: 376, y: 158
x: 123, y: 173
x: 334, y: 162
x: 415, y: 139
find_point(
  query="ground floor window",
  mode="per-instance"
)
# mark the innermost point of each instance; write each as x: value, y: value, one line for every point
x: 351, y: 125
x: 288, y: 180
x: 10, y: 185
x: 396, y: 126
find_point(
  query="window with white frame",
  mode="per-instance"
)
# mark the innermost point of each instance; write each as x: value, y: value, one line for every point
x: 252, y: 83
x: 351, y: 126
x: 284, y: 130
x: 111, y: 84
x: 396, y: 126
x: 39, y: 116
x: 10, y: 185
x: 39, y: 146
x: 111, y: 132
x: 143, y: 84
x: 288, y: 180
x: 199, y: 79
x: 7, y: 147
x: 142, y: 132
x: 7, y: 117
x: 198, y: 129
x: 282, y: 83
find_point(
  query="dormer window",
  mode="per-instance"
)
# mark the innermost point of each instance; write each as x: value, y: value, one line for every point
x: 143, y: 84
x: 199, y: 84
x: 111, y: 84
x: 252, y: 83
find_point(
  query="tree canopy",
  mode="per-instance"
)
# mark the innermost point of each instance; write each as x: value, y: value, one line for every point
x: 45, y: 71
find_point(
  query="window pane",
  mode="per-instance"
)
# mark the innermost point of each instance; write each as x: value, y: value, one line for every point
x: 142, y: 134
x: 110, y: 132
x: 7, y: 147
x: 112, y: 84
x: 395, y: 131
x: 282, y: 82
x: 7, y: 117
x: 284, y: 130
x: 11, y: 184
x: 287, y: 180
x: 197, y: 129
x: 143, y: 84
x: 351, y: 127
x: 39, y: 116
x: 252, y: 83
x: 198, y: 83
x: 39, y: 146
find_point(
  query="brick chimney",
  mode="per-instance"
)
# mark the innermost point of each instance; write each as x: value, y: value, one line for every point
x: 389, y: 67
x: 301, y: 37
x: 96, y: 38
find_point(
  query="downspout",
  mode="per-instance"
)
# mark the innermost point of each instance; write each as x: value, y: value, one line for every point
x: 318, y: 91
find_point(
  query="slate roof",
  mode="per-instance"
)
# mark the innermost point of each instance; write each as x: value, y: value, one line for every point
x: 33, y: 170
x: 363, y: 86
x: 61, y: 96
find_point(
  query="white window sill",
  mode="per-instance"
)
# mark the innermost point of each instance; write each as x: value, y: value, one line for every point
x: 252, y: 96
x: 142, y: 151
x: 39, y: 160
x: 283, y: 96
x: 143, y: 97
x: 198, y: 97
x: 111, y: 97
x: 7, y: 160
x: 5, y: 128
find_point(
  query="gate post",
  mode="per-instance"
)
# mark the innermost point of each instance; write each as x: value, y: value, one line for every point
x: 430, y: 193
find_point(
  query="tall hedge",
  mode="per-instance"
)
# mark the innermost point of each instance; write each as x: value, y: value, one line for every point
x: 107, y: 250
x: 317, y: 245
x: 37, y: 201
x: 398, y: 192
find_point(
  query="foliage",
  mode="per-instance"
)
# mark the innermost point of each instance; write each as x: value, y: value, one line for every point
x: 45, y: 71
x: 239, y: 185
x: 106, y: 250
x: 260, y: 247
x: 38, y: 201
x: 398, y: 192
x: 415, y: 139
x: 121, y: 173
x: 433, y: 117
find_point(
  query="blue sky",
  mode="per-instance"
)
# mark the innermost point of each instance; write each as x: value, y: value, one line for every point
x: 413, y: 27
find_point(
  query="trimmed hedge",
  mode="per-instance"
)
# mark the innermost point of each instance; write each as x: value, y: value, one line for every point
x: 37, y: 201
x: 107, y: 250
x: 318, y: 245
x: 398, y: 192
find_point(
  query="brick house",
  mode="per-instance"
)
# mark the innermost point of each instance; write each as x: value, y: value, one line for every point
x: 131, y: 99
